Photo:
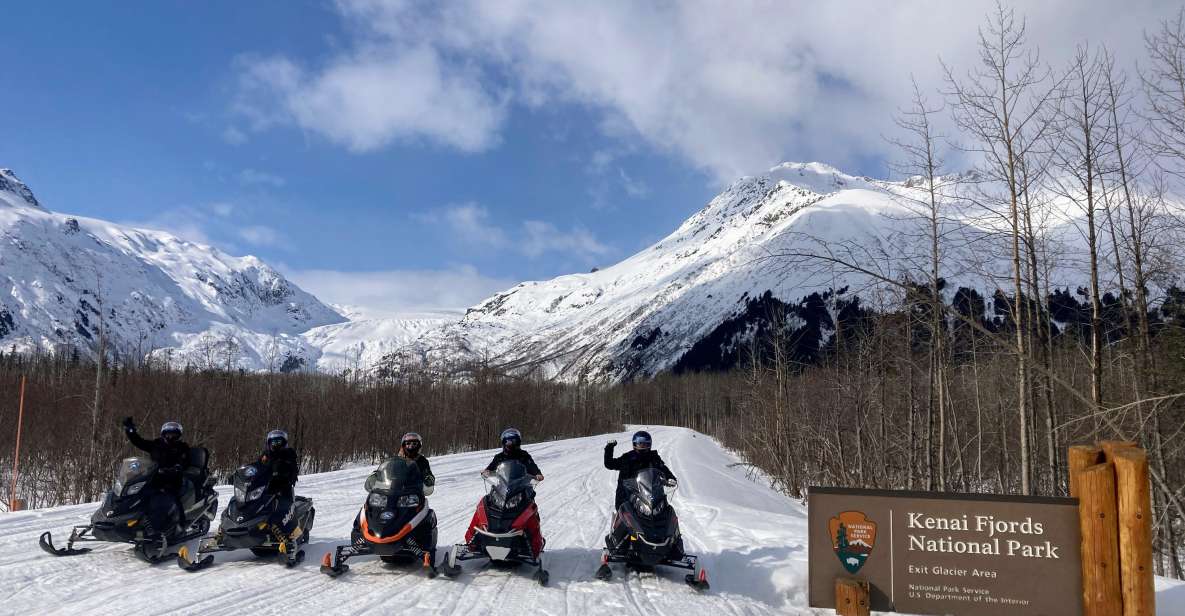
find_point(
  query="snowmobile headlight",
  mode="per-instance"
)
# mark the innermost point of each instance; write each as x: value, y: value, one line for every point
x: 643, y: 507
x: 409, y: 500
x: 256, y: 493
x: 377, y: 500
x: 387, y: 516
x: 513, y: 501
x: 135, y: 488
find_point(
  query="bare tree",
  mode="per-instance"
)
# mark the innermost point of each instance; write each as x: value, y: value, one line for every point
x: 1164, y: 87
x: 1001, y: 106
x: 922, y: 162
x: 1079, y: 143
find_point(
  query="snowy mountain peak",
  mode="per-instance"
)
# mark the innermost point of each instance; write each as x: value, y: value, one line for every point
x: 816, y: 177
x: 14, y: 192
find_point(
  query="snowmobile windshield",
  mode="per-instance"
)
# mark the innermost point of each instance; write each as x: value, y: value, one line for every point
x: 395, y: 477
x: 251, y: 482
x: 648, y: 489
x: 131, y: 476
x: 509, y: 484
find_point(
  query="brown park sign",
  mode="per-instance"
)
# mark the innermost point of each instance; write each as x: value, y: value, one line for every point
x: 944, y: 553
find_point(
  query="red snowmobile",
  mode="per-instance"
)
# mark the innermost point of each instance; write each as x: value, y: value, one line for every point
x: 505, y: 527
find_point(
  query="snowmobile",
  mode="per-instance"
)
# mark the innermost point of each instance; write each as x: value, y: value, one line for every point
x: 498, y: 531
x: 252, y: 521
x: 395, y: 522
x: 123, y: 517
x: 645, y: 532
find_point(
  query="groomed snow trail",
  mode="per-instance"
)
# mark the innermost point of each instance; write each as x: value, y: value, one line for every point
x: 753, y: 549
x: 751, y: 539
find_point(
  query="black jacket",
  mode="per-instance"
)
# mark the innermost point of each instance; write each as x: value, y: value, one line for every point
x: 631, y: 462
x: 166, y: 455
x: 425, y: 468
x: 519, y: 455
x: 171, y: 459
x: 285, y: 466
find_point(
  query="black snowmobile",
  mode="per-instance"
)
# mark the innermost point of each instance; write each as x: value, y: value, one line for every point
x: 124, y: 515
x: 395, y: 522
x: 498, y: 530
x: 251, y: 521
x: 645, y: 532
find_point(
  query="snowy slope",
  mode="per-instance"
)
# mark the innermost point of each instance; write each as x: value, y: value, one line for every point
x: 362, y: 342
x: 751, y: 539
x: 638, y: 317
x: 188, y: 301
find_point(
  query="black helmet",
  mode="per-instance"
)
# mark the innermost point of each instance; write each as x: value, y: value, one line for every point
x: 642, y: 439
x: 170, y: 431
x: 276, y: 439
x: 511, y: 439
x: 411, y: 442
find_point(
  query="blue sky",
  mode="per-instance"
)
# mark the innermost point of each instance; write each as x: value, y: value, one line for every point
x: 404, y: 155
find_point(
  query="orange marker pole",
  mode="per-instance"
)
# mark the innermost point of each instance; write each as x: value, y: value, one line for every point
x: 16, y: 456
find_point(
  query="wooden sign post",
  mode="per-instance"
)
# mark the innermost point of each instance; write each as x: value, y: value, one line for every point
x: 1110, y: 481
x: 851, y: 597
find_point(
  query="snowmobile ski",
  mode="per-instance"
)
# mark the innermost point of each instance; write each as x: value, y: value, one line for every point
x: 46, y: 543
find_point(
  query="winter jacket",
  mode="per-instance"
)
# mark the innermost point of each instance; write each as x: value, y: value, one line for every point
x: 285, y: 467
x: 630, y: 464
x: 517, y: 454
x: 422, y: 462
x: 171, y: 458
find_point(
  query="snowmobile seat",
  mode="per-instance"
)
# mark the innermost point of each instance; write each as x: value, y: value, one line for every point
x: 198, y: 469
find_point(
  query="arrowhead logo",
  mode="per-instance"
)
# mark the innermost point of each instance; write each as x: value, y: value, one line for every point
x: 853, y: 536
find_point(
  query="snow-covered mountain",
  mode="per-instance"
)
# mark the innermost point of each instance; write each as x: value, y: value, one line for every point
x: 64, y: 278
x: 685, y: 302
x: 691, y: 301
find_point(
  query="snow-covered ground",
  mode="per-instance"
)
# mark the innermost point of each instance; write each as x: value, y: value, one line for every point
x: 751, y: 539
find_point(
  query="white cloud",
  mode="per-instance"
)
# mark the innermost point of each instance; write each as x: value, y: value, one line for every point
x: 541, y: 237
x: 467, y: 222
x: 393, y: 292
x: 731, y: 88
x: 263, y: 236
x: 634, y: 188
x: 253, y: 176
x: 234, y: 136
x: 470, y: 224
x: 222, y: 208
x: 381, y: 93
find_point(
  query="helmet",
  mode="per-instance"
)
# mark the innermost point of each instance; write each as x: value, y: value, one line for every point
x: 170, y: 431
x: 641, y: 439
x: 511, y: 438
x: 276, y: 439
x: 411, y: 442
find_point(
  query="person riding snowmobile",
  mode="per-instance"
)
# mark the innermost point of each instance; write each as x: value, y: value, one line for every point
x: 284, y: 464
x: 629, y: 463
x: 512, y: 441
x: 409, y: 449
x: 171, y: 455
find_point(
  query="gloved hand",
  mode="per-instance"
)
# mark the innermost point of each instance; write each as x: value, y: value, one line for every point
x: 129, y: 426
x: 485, y: 473
x: 671, y: 482
x: 611, y: 444
x: 538, y: 477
